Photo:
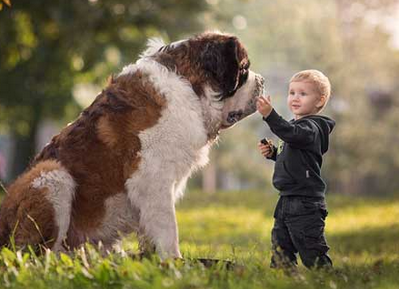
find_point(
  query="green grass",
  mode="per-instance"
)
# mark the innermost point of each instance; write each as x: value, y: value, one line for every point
x: 363, y: 234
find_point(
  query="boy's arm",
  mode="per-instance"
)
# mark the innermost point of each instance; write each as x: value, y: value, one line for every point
x: 300, y: 134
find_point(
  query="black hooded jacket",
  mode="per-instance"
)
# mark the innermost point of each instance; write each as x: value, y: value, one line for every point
x: 299, y: 154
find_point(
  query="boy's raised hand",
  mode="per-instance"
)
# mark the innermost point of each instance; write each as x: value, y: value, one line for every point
x: 264, y: 106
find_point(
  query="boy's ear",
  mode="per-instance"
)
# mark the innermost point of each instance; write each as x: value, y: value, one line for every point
x: 321, y: 101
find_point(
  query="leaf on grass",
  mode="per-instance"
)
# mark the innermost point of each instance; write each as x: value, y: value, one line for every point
x: 86, y: 273
x: 66, y: 260
x: 1, y: 6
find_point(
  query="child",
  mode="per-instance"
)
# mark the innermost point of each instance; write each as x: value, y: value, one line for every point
x: 301, y: 210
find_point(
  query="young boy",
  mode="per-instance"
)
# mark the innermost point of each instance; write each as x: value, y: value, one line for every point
x: 301, y: 210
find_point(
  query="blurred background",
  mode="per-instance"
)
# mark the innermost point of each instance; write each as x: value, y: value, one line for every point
x: 55, y: 56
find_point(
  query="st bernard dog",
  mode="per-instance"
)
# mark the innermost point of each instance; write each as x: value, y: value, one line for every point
x: 122, y: 164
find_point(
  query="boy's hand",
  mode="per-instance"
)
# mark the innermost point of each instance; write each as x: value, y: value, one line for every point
x: 266, y: 149
x: 264, y: 106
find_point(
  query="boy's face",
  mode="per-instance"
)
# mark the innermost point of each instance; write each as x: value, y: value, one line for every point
x: 303, y: 99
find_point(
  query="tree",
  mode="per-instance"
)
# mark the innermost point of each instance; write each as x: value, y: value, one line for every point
x: 47, y: 46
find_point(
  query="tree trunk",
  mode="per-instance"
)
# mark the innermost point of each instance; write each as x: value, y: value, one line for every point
x: 24, y: 146
x: 209, y: 178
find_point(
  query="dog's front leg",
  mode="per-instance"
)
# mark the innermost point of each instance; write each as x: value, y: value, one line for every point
x: 157, y: 216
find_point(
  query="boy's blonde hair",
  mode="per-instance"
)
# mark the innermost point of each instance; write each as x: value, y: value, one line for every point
x: 316, y: 77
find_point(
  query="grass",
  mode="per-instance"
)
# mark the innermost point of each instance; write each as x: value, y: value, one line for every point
x: 363, y: 234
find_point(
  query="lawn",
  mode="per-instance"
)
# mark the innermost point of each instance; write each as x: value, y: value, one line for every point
x: 363, y: 234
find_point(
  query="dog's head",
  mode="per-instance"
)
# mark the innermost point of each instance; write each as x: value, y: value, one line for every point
x: 217, y: 66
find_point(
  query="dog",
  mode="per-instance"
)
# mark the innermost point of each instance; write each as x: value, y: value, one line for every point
x: 122, y: 164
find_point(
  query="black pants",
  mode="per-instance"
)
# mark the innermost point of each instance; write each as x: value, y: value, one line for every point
x: 299, y: 228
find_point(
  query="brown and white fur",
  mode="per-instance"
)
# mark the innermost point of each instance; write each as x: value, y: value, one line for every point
x: 120, y: 167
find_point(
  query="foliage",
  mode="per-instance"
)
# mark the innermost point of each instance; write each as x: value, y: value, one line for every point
x: 232, y: 226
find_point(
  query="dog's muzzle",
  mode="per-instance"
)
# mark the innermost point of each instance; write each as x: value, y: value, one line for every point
x: 251, y: 94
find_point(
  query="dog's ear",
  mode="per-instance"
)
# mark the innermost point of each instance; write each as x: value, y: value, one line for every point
x: 221, y: 61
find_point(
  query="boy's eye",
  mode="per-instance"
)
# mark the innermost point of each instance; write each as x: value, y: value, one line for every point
x: 292, y: 93
x: 303, y: 93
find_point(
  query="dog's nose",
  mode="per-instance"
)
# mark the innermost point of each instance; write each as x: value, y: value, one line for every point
x: 234, y: 116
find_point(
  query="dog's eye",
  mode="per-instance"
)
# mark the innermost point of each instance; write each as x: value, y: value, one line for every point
x: 244, y: 73
x: 246, y: 66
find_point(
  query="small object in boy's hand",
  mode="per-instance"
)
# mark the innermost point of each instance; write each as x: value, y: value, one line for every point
x: 265, y: 141
x: 269, y: 143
